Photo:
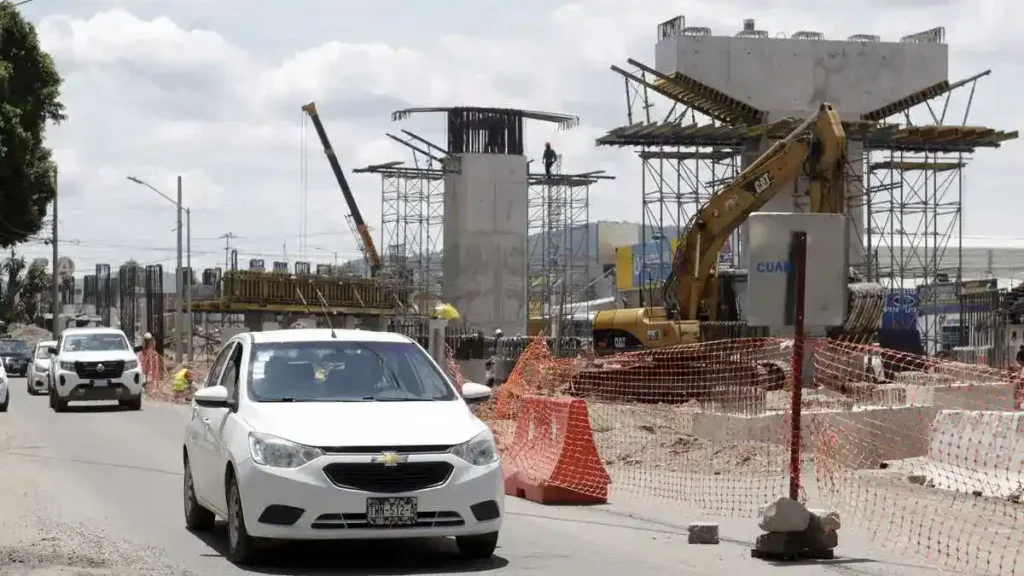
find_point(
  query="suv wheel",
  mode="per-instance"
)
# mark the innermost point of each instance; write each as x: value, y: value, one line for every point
x: 478, y: 546
x: 57, y: 403
x: 241, y: 546
x: 196, y: 517
x: 6, y: 403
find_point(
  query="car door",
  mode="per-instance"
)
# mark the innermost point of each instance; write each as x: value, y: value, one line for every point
x: 199, y: 439
x: 222, y: 423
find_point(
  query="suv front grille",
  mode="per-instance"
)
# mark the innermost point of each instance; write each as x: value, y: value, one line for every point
x: 91, y: 371
x: 381, y: 479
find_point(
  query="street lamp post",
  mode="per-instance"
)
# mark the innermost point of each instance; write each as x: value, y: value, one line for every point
x: 180, y: 296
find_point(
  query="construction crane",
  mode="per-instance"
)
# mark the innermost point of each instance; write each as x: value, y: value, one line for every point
x: 695, y: 291
x: 362, y: 233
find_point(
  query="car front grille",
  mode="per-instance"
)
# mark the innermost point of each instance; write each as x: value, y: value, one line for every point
x: 92, y: 371
x: 350, y: 521
x: 381, y: 479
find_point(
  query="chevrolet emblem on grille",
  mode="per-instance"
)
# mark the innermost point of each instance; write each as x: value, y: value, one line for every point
x: 99, y: 367
x: 390, y: 459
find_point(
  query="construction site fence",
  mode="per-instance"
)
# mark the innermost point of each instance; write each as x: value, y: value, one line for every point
x: 924, y: 456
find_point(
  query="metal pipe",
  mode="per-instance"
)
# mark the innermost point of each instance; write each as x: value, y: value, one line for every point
x: 188, y: 280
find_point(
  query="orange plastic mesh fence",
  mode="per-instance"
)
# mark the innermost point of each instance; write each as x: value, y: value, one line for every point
x: 663, y: 422
x: 926, y: 455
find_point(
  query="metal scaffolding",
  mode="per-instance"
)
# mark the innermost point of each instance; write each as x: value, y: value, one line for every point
x: 559, y: 259
x: 913, y: 198
x: 905, y: 180
x: 412, y: 219
x: 678, y: 175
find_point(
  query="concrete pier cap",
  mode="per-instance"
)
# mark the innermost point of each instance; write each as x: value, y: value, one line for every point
x: 789, y: 76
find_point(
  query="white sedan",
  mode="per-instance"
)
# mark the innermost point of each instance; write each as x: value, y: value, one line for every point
x: 5, y: 396
x: 348, y: 434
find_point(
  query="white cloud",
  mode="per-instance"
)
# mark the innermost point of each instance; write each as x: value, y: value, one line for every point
x: 153, y: 97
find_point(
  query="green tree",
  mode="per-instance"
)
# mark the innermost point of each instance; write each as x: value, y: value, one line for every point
x: 29, y: 99
x: 22, y: 289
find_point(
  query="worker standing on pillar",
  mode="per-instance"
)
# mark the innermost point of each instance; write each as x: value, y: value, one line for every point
x: 550, y: 157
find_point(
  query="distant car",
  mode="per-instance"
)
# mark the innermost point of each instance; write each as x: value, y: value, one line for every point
x: 5, y: 396
x: 94, y: 364
x: 15, y: 355
x: 38, y: 378
x: 349, y: 434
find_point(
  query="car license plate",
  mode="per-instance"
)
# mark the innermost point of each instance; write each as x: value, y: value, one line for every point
x: 100, y: 383
x: 391, y: 511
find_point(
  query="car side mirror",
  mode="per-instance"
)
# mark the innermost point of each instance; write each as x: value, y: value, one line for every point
x: 474, y: 393
x: 52, y: 350
x: 138, y: 348
x: 213, y: 397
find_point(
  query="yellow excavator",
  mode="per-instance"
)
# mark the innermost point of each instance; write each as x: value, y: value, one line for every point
x: 700, y: 300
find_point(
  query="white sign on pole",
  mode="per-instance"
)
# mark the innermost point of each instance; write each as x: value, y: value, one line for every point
x: 771, y: 278
x: 65, y: 267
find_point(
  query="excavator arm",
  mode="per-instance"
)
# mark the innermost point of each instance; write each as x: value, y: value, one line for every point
x: 369, y: 248
x: 817, y: 147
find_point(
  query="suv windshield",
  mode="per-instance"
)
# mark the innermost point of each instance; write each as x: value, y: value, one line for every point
x: 43, y: 351
x: 94, y: 343
x: 344, y: 371
x: 13, y: 347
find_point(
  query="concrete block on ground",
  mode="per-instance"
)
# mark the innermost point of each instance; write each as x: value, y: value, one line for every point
x: 828, y: 519
x: 784, y: 515
x: 703, y: 533
x: 977, y: 452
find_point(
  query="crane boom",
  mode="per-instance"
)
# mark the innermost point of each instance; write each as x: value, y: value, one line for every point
x: 817, y: 146
x: 369, y: 248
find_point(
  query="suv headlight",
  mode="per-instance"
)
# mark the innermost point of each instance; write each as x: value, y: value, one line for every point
x: 479, y: 451
x: 267, y: 450
x: 131, y: 364
x: 69, y: 366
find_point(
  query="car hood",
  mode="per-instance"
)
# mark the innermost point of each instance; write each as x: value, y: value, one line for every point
x: 351, y: 424
x: 102, y: 356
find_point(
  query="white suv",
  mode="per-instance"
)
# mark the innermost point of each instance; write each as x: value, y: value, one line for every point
x: 349, y: 434
x: 94, y: 364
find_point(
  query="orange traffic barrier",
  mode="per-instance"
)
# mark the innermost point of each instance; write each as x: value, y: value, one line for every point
x: 553, y: 458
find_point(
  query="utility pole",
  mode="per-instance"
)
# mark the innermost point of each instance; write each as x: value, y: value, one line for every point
x: 188, y: 279
x: 179, y: 324
x: 55, y: 289
x: 227, y: 249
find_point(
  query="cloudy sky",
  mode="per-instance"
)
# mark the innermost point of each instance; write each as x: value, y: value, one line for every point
x: 211, y: 89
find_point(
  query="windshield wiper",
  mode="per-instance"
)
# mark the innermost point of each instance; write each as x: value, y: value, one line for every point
x: 386, y: 399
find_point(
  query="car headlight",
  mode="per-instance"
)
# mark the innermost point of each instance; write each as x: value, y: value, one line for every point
x: 42, y: 367
x: 69, y: 366
x: 267, y: 450
x: 131, y: 365
x: 479, y: 451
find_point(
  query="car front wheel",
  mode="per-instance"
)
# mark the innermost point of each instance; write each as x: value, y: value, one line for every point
x: 477, y: 547
x: 6, y: 403
x: 241, y: 546
x: 196, y: 517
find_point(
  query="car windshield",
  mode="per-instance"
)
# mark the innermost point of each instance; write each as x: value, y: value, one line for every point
x: 43, y: 351
x: 94, y: 343
x: 345, y: 371
x: 13, y: 347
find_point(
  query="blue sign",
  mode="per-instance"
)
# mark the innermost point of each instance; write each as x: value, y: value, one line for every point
x: 651, y: 263
x: 774, y: 267
x: 900, y: 309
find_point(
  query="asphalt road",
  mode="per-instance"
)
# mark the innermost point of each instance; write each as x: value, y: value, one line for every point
x: 97, y: 490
